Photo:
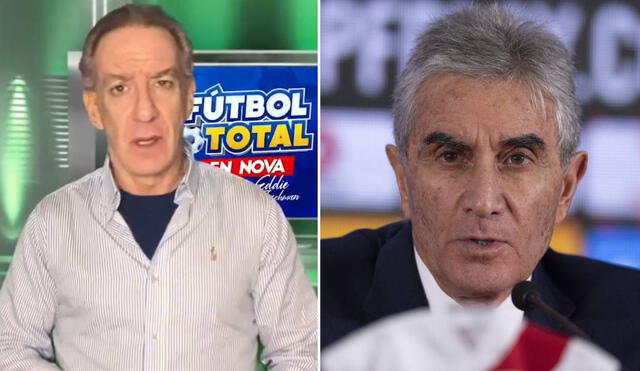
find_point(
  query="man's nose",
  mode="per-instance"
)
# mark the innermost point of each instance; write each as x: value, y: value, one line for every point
x: 145, y: 109
x: 483, y: 195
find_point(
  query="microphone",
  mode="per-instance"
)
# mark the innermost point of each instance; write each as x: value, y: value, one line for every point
x: 525, y: 296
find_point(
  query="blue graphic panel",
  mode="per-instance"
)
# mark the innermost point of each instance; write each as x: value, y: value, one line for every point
x: 261, y: 123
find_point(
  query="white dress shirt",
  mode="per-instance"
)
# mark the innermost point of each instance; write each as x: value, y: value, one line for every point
x: 81, y: 295
x: 440, y: 302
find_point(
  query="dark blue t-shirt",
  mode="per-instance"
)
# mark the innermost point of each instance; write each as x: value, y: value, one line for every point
x: 147, y: 217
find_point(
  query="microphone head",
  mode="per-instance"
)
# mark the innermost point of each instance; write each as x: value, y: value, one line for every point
x: 524, y: 295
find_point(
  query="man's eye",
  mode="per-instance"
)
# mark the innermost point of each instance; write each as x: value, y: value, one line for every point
x: 450, y: 157
x: 518, y: 159
x: 118, y: 89
x: 164, y: 83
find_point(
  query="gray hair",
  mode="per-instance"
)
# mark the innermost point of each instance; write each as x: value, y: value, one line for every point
x: 488, y: 42
x: 134, y: 15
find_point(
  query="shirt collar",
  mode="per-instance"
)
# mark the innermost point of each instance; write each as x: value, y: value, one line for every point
x: 188, y: 187
x: 185, y: 193
x: 440, y: 302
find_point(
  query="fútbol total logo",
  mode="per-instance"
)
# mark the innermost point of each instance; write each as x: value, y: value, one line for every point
x: 249, y: 121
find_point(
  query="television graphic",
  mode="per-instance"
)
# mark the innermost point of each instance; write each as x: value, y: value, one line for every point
x: 260, y: 122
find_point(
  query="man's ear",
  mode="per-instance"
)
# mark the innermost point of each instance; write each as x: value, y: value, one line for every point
x: 89, y: 98
x: 572, y: 176
x: 395, y: 159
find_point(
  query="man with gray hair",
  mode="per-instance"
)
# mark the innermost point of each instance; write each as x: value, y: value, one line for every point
x: 486, y: 125
x: 154, y: 261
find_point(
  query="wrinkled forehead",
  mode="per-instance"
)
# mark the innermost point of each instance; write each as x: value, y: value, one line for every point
x: 464, y: 105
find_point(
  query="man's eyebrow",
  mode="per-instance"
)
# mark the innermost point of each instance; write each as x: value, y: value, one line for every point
x: 445, y: 139
x: 527, y: 140
x: 115, y: 76
x: 168, y: 71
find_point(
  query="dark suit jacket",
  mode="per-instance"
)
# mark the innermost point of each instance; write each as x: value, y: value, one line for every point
x: 370, y: 274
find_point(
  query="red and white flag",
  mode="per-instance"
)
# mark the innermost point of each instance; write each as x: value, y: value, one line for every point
x: 466, y: 340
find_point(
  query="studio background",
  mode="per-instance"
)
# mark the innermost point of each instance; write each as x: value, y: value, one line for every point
x: 35, y: 36
x: 361, y: 57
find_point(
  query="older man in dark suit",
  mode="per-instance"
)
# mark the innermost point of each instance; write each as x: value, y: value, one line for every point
x: 486, y: 125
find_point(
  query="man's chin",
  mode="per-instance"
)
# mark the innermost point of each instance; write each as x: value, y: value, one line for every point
x: 153, y: 165
x: 484, y: 289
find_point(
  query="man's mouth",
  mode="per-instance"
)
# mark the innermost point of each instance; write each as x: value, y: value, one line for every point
x: 146, y: 142
x: 482, y: 242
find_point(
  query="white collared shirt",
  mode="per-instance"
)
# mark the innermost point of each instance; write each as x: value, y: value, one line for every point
x: 440, y: 302
x: 81, y: 292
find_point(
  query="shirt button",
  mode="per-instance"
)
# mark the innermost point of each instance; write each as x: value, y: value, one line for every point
x: 155, y: 337
x: 155, y: 277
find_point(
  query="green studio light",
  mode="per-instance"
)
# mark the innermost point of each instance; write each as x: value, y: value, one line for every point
x: 15, y: 155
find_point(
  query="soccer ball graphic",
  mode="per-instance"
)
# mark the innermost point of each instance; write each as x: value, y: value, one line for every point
x: 193, y: 136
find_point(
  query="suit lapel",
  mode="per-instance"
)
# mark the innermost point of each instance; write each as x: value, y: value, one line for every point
x: 551, y: 294
x: 396, y: 285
